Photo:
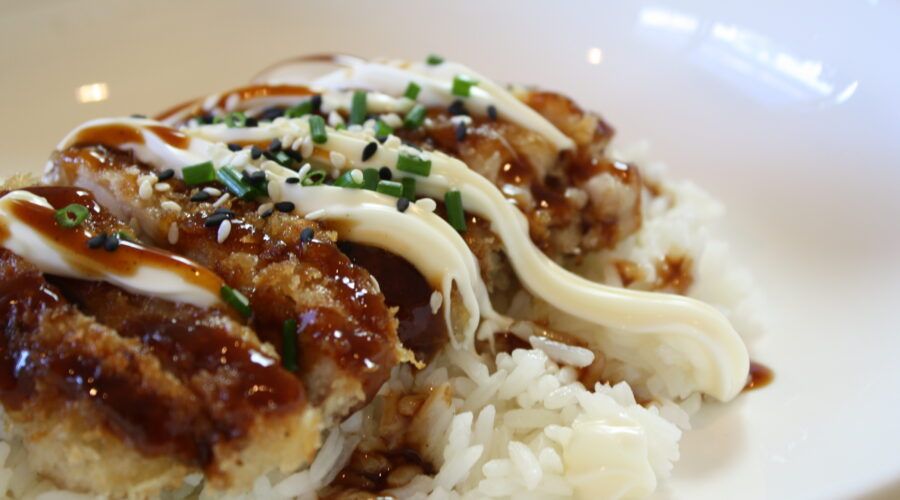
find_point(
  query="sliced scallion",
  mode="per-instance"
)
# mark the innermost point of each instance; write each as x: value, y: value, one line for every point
x: 455, y: 215
x: 412, y: 91
x: 304, y: 108
x: 370, y: 179
x: 314, y: 178
x: 409, y: 188
x: 289, y: 345
x: 236, y: 119
x: 199, y: 173
x: 71, y: 215
x: 392, y: 188
x: 317, y: 129
x: 413, y: 164
x: 234, y: 183
x: 462, y: 85
x: 237, y: 300
x: 358, y: 108
x: 382, y: 129
x: 346, y: 180
x: 415, y: 117
x: 434, y: 59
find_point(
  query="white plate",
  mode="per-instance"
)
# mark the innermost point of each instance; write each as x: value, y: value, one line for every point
x: 788, y: 113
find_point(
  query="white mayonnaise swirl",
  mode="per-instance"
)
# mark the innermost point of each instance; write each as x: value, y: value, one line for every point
x: 52, y: 258
x: 700, y: 337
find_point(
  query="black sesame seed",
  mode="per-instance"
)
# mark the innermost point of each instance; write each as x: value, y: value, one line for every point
x: 270, y: 156
x: 97, y: 241
x: 306, y: 235
x: 457, y: 108
x: 402, y: 204
x: 381, y: 138
x: 275, y: 145
x: 293, y: 180
x: 284, y: 206
x: 234, y: 147
x: 225, y: 212
x: 267, y: 213
x: 461, y: 132
x: 251, y: 122
x: 369, y: 150
x: 271, y: 113
x: 139, y: 116
x: 385, y: 174
x: 214, y: 220
x: 492, y: 113
x: 316, y: 103
x: 111, y: 243
x: 201, y: 196
x: 165, y: 175
x: 257, y: 177
x: 294, y: 154
x: 255, y: 152
x: 206, y: 119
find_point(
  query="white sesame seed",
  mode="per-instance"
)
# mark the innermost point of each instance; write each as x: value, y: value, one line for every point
x: 162, y: 187
x: 456, y: 120
x: 213, y: 191
x: 147, y: 177
x: 393, y: 141
x: 306, y: 149
x: 335, y: 119
x: 315, y: 214
x: 304, y: 170
x: 173, y: 233
x: 357, y: 175
x: 263, y: 208
x: 171, y: 206
x: 337, y: 159
x: 297, y: 143
x: 436, y: 300
x: 426, y: 204
x: 369, y: 124
x: 224, y: 231
x: 429, y: 123
x: 146, y: 190
x: 231, y: 102
x: 285, y: 140
x: 274, y: 190
x: 222, y: 199
x: 392, y: 120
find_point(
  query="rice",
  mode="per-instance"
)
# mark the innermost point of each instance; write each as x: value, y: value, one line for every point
x: 521, y: 425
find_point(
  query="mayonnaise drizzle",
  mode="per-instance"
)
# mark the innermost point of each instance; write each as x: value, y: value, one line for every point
x: 52, y: 258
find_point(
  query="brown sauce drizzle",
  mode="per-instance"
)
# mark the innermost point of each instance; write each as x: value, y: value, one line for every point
x: 760, y: 376
x: 420, y: 330
x: 171, y: 136
x: 114, y: 135
x: 125, y: 261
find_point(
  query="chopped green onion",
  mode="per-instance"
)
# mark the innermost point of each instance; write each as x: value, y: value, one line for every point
x: 346, y: 180
x: 455, y: 215
x: 358, y: 108
x: 304, y: 108
x: 314, y: 178
x: 462, y: 85
x: 125, y: 236
x: 317, y: 129
x: 370, y: 179
x: 289, y: 345
x: 382, y: 129
x: 392, y: 188
x: 340, y: 126
x: 199, y: 173
x: 71, y: 215
x: 236, y: 300
x: 434, y: 59
x: 413, y: 164
x: 218, y: 119
x: 284, y: 159
x: 412, y: 91
x: 409, y: 188
x: 235, y: 184
x: 236, y: 119
x: 415, y: 117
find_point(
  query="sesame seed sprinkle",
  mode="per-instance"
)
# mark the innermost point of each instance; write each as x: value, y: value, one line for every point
x: 369, y: 150
x: 171, y: 206
x: 292, y: 180
x: 111, y: 244
x: 265, y: 207
x: 214, y: 220
x: 492, y: 112
x: 162, y: 187
x: 200, y: 196
x: 306, y: 149
x: 173, y: 233
x: 255, y: 152
x: 402, y: 204
x: 357, y: 176
x: 436, y: 301
x: 213, y: 191
x: 224, y: 231
x: 146, y: 190
x: 306, y: 235
x: 284, y: 206
x: 337, y: 159
x: 267, y: 213
x: 165, y: 175
x: 384, y: 173
x: 222, y: 199
x: 96, y: 241
x: 275, y: 145
x: 426, y: 204
x: 234, y: 147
